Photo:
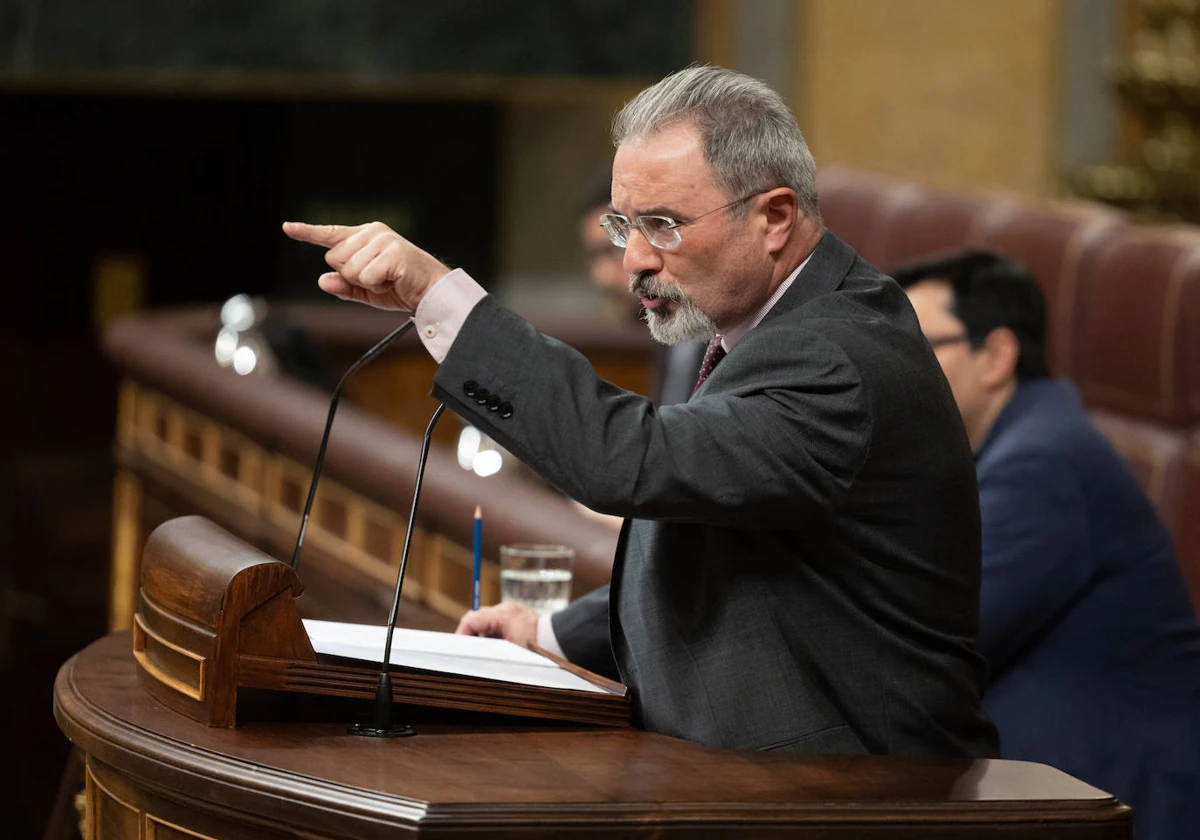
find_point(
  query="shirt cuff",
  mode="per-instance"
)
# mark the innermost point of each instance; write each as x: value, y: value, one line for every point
x: 546, y: 639
x: 441, y: 313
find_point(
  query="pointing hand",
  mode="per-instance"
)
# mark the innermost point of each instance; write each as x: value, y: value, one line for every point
x: 371, y: 264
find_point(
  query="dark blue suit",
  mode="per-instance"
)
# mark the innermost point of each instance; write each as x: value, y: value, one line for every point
x: 1093, y: 644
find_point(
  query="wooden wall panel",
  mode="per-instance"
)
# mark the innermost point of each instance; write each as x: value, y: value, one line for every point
x: 957, y: 94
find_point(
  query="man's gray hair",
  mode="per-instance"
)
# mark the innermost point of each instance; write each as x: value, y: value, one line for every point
x: 749, y: 136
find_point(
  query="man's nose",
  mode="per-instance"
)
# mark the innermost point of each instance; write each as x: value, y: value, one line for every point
x: 640, y: 255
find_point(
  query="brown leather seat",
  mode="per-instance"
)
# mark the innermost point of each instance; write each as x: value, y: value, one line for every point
x: 1123, y: 312
x: 888, y: 221
x: 858, y: 206
x: 1129, y: 352
x: 1052, y: 239
x: 924, y: 222
x: 1134, y: 358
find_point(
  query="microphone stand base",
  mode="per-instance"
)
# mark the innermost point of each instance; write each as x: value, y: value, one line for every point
x: 402, y: 730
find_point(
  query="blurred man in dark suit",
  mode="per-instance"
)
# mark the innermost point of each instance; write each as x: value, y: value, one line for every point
x: 604, y: 259
x: 1092, y: 640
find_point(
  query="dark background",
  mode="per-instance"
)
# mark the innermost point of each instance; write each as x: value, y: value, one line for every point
x: 184, y: 134
x: 197, y: 188
x: 377, y: 38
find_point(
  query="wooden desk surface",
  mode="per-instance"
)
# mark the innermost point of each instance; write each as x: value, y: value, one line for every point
x: 315, y: 780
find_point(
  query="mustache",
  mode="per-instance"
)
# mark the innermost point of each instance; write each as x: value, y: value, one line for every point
x: 647, y: 284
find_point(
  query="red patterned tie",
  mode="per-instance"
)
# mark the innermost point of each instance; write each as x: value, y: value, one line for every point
x: 712, y: 356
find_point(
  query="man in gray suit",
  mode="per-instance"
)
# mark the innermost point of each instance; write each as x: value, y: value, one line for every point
x: 800, y: 565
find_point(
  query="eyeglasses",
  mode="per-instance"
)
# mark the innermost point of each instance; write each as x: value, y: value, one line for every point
x: 946, y: 340
x: 660, y: 231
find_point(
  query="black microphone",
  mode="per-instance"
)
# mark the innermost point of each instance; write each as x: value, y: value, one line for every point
x: 333, y: 404
x: 381, y: 723
x: 382, y: 718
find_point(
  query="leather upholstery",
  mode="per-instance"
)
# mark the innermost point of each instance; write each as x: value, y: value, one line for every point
x: 1130, y: 354
x: 858, y: 207
x: 924, y: 222
x: 1052, y: 240
x: 1123, y: 312
x: 171, y: 351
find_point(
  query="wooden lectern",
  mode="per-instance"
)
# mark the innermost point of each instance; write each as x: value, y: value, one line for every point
x: 216, y: 615
x: 164, y: 761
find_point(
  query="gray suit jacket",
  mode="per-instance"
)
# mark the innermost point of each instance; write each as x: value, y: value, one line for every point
x: 582, y: 628
x: 679, y: 366
x: 800, y: 569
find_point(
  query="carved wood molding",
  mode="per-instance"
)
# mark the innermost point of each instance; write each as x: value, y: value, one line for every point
x: 224, y: 466
x: 312, y: 780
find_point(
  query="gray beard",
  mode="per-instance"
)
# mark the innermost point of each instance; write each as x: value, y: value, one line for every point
x: 687, y: 323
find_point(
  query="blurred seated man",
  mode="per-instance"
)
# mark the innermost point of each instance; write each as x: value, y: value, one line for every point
x: 604, y: 259
x: 677, y: 363
x: 1093, y: 644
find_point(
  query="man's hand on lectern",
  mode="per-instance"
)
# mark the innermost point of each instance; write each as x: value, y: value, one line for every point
x: 371, y: 264
x: 514, y: 622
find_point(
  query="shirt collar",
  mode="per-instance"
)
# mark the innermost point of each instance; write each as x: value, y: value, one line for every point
x: 732, y: 336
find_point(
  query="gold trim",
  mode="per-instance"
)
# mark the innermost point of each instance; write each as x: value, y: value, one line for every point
x: 87, y: 821
x: 257, y: 488
x: 140, y: 632
x: 152, y: 822
x: 126, y: 538
x: 94, y: 802
x: 210, y: 447
x: 127, y: 412
x: 356, y: 521
x: 176, y: 439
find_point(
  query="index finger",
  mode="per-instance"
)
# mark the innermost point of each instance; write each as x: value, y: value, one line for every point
x: 324, y: 235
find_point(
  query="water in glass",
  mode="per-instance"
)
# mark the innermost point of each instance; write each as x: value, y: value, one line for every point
x: 544, y: 590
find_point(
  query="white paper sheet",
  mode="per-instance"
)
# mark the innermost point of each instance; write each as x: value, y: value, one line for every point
x: 470, y: 656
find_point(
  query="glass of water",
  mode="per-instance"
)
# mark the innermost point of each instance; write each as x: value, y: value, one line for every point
x: 537, y: 576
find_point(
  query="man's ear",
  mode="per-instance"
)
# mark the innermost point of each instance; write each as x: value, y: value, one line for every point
x: 780, y: 212
x: 1000, y: 353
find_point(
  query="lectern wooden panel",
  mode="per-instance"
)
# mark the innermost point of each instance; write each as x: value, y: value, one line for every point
x: 216, y: 616
x: 154, y: 771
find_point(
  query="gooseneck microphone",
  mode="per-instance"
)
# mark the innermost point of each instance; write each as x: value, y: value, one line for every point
x: 382, y: 726
x: 383, y: 344
x: 381, y: 720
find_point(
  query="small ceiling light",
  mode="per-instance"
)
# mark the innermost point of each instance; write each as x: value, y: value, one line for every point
x: 487, y: 462
x: 468, y: 446
x: 238, y: 313
x: 227, y: 342
x: 244, y: 360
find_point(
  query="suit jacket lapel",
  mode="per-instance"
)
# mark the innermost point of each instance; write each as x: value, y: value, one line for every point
x: 830, y: 263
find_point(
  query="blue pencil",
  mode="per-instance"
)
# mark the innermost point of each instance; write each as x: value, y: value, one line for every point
x: 478, y: 556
